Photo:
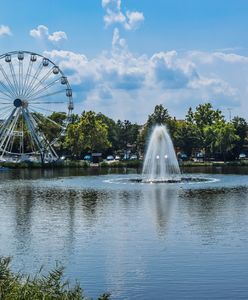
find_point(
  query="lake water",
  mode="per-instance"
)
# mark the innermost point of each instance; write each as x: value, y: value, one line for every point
x: 137, y: 241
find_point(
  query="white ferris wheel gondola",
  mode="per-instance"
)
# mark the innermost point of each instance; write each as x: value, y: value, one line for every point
x: 32, y: 87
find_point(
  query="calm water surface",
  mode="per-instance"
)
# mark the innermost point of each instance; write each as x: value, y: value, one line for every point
x: 138, y: 241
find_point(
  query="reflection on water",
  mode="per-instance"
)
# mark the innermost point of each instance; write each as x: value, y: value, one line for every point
x: 161, y: 200
x: 139, y: 241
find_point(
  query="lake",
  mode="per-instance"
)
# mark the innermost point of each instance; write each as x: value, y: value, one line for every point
x: 137, y: 241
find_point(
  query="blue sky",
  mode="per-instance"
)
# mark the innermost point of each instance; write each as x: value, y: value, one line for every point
x: 125, y: 56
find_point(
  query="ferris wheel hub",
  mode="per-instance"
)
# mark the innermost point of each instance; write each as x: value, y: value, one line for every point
x: 17, y: 102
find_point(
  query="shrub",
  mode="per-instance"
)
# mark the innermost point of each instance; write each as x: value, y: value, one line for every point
x: 40, y: 287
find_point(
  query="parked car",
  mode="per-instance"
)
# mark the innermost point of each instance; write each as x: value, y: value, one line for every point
x: 117, y: 157
x: 133, y: 157
x: 182, y: 156
x: 242, y: 156
x: 88, y: 157
x: 110, y: 157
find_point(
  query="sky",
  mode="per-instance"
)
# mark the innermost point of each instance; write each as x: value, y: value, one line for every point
x: 122, y: 57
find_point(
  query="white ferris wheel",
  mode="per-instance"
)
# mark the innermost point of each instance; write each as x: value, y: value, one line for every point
x: 32, y: 90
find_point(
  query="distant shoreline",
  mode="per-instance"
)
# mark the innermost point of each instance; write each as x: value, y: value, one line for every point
x: 136, y: 164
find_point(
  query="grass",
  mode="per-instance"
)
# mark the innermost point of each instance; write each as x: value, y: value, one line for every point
x: 16, y: 286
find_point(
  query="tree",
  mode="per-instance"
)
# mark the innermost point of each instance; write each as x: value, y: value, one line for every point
x: 225, y: 137
x: 94, y: 132
x: 127, y: 133
x: 241, y: 127
x: 204, y: 115
x: 89, y: 134
x: 160, y: 116
x: 112, y: 130
x: 186, y: 136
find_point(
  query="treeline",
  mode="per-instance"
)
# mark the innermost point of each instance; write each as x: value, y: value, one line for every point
x: 202, y: 130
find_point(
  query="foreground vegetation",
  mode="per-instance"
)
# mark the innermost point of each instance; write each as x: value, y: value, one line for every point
x: 50, y: 287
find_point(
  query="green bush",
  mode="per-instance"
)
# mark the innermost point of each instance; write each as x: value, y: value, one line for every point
x: 40, y: 287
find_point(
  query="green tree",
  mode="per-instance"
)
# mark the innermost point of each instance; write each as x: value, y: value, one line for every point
x: 225, y: 137
x: 241, y: 128
x: 127, y: 133
x: 204, y: 115
x: 186, y: 136
x: 94, y: 132
x: 160, y: 116
x: 89, y: 134
x: 112, y: 130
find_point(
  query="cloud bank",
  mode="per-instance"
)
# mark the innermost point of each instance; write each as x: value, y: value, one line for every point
x: 128, y: 86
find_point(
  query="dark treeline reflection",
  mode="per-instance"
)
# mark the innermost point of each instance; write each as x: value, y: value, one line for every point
x: 215, y: 213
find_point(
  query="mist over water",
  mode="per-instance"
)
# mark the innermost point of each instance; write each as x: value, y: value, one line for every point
x: 160, y: 160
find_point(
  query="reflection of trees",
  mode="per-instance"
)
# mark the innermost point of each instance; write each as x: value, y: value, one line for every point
x: 162, y: 199
x: 212, y: 213
x: 23, y: 198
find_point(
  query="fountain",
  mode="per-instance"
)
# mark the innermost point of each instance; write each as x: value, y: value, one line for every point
x: 160, y: 163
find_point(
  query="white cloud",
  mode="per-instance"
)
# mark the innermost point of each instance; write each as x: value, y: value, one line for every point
x: 5, y: 30
x: 127, y: 86
x: 42, y: 32
x: 118, y: 43
x: 114, y: 15
x: 57, y: 36
x: 134, y: 19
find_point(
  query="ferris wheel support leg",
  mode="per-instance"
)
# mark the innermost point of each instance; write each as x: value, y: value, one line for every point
x: 34, y: 135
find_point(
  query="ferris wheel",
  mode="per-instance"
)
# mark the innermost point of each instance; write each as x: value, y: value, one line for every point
x: 35, y: 106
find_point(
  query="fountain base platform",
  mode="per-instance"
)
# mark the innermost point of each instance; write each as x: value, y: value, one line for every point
x: 159, y: 181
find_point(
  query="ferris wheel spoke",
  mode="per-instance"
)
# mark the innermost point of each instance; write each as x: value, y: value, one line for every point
x: 42, y: 90
x: 8, y: 81
x: 4, y: 115
x: 6, y: 123
x: 37, y: 85
x: 47, y: 118
x: 41, y: 108
x: 9, y: 133
x: 38, y: 140
x: 20, y: 77
x: 47, y: 95
x: 12, y: 71
x: 6, y: 91
x: 49, y: 102
x: 27, y: 76
x: 34, y: 78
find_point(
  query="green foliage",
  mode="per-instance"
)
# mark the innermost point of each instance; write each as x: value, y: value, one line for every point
x: 187, y: 136
x: 241, y: 127
x: 127, y: 133
x: 40, y: 287
x: 89, y: 134
x: 160, y: 116
x: 204, y: 115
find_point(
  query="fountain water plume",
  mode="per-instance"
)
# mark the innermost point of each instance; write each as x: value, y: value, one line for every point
x: 160, y: 163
